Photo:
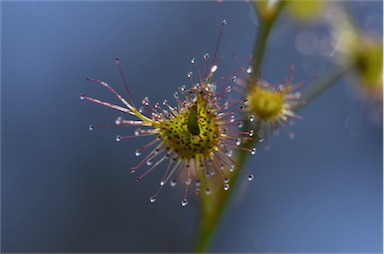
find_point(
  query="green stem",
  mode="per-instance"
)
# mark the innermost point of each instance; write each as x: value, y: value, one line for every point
x: 262, y: 36
x: 321, y: 86
x: 209, y: 219
x: 213, y: 206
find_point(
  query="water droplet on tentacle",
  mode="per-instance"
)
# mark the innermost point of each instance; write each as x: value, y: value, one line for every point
x: 184, y: 202
x: 173, y: 183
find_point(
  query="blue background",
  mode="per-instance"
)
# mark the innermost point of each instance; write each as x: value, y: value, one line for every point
x: 66, y: 189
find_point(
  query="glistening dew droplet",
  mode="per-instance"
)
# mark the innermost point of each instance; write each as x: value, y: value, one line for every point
x: 184, y: 202
x: 173, y: 183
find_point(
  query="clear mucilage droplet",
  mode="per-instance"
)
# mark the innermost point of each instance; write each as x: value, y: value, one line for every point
x: 145, y: 101
x: 212, y: 87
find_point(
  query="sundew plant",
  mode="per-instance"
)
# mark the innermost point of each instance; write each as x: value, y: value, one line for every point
x: 202, y: 140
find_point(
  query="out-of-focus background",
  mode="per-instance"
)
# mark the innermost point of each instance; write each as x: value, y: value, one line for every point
x: 67, y: 189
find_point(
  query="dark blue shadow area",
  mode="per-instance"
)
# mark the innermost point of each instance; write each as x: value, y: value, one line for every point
x: 66, y: 189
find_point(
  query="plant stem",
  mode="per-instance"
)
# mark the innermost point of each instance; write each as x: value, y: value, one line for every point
x: 321, y: 86
x: 213, y: 206
x: 210, y: 214
x: 267, y: 18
